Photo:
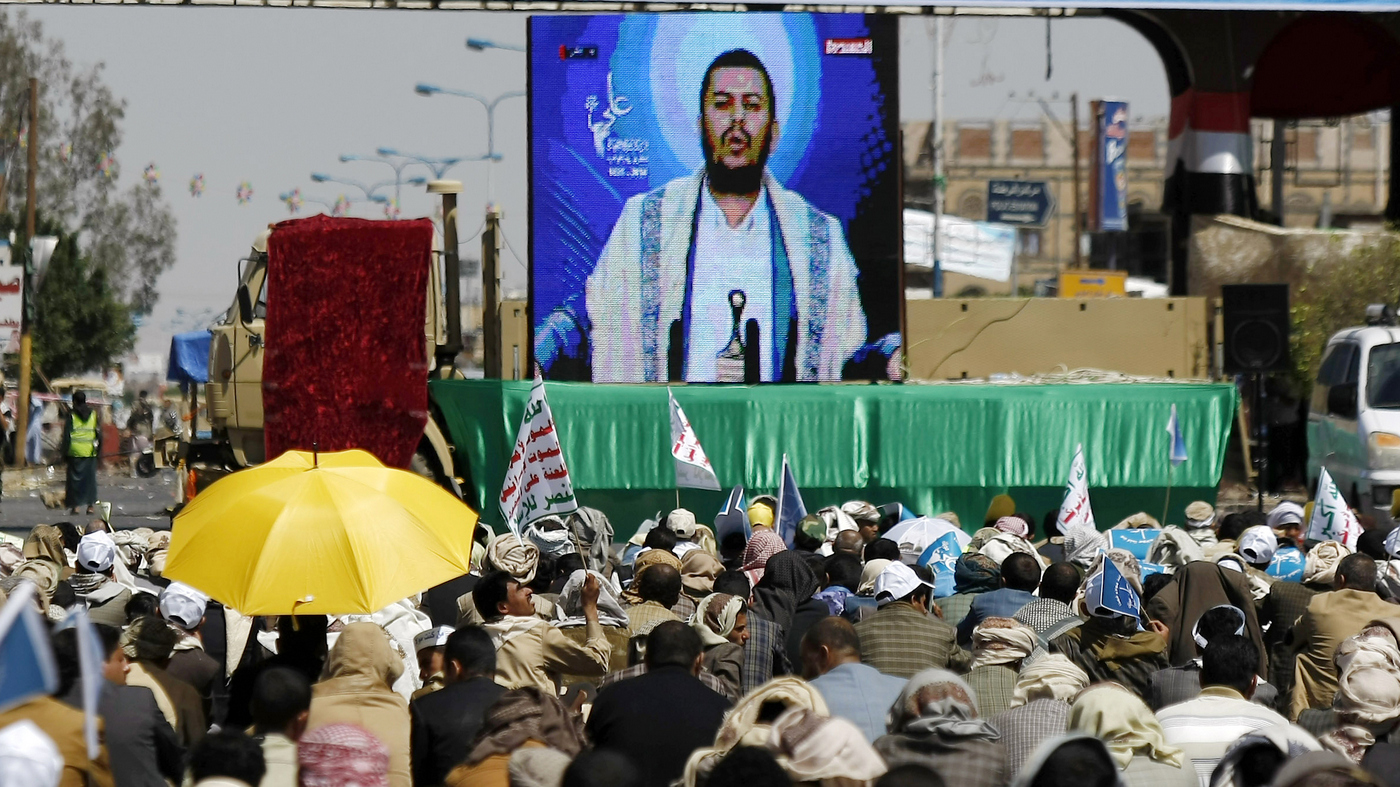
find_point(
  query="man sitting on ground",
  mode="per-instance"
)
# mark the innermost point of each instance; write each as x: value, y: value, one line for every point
x: 1207, y: 726
x: 281, y: 704
x: 529, y: 651
x: 901, y: 639
x: 1331, y: 618
x: 1020, y: 575
x: 659, y: 718
x: 854, y: 691
x: 445, y: 722
x: 659, y: 587
x: 1051, y: 614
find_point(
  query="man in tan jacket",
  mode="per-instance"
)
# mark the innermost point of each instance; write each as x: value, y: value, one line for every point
x: 1331, y: 618
x: 529, y: 651
x: 65, y: 726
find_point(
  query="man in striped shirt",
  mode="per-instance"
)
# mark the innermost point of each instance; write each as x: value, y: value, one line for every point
x: 1205, y: 727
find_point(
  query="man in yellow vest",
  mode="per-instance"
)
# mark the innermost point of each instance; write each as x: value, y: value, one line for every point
x: 82, y: 445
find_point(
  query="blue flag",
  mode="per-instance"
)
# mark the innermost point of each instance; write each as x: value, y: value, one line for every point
x: 941, y: 557
x: 25, y: 653
x: 90, y: 658
x: 1177, y: 452
x: 1108, y: 592
x: 734, y: 518
x: 1135, y: 540
x: 790, y: 506
x: 1288, y: 564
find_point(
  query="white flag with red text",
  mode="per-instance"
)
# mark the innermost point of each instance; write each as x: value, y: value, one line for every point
x: 693, y: 469
x: 537, y: 481
x: 1332, y: 519
x: 1074, y: 509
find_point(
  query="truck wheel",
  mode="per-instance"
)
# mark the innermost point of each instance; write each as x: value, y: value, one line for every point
x: 146, y: 466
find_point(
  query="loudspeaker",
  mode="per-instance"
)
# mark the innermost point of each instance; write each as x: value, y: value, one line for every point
x: 1256, y: 327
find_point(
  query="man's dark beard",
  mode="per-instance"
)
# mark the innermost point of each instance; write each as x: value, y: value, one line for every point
x: 738, y: 180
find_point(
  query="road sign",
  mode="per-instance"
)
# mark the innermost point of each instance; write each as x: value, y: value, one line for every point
x: 1021, y: 202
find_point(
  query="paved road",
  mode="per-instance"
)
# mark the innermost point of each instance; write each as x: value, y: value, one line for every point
x: 136, y: 502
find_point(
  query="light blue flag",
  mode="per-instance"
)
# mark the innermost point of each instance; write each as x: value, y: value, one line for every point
x: 1136, y: 540
x: 1109, y: 592
x: 27, y: 667
x: 734, y: 518
x: 941, y: 557
x: 1288, y: 564
x: 1177, y: 452
x: 791, y: 509
x: 90, y: 658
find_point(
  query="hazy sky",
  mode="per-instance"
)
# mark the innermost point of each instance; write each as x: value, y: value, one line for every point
x: 271, y: 95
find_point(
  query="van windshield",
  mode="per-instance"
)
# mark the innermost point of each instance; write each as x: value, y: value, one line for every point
x: 1383, y: 376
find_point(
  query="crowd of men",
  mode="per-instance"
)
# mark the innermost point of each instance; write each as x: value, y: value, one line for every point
x: 563, y: 660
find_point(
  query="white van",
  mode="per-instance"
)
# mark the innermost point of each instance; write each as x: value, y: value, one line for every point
x: 1354, y: 418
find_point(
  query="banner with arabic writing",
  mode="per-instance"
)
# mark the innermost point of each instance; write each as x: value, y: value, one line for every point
x: 693, y: 469
x: 1332, y: 519
x: 1075, y: 510
x: 537, y: 480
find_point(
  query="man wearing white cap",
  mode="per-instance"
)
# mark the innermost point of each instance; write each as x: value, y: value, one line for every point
x: 430, y: 646
x: 901, y: 638
x: 1200, y: 522
x: 1257, y: 546
x: 688, y: 532
x: 93, y: 584
x: 183, y: 608
x: 28, y: 757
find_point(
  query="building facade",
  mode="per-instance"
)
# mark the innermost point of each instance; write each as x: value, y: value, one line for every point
x: 1335, y: 174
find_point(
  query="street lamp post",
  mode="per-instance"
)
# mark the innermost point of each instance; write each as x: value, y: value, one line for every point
x: 397, y: 166
x: 492, y: 156
x: 482, y: 44
x: 438, y: 166
x: 368, y: 191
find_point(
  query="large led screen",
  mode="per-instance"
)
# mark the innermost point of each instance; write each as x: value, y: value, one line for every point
x: 715, y: 197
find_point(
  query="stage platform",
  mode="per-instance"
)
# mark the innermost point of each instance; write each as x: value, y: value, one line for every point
x: 933, y: 447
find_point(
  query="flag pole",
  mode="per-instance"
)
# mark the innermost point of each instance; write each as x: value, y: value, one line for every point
x: 1166, y: 504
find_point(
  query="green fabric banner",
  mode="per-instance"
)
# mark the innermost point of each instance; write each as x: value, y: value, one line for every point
x: 934, y: 448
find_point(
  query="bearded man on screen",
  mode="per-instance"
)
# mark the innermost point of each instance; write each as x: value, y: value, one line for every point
x: 688, y: 265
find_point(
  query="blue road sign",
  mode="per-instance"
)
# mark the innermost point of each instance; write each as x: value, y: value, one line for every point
x: 1022, y: 202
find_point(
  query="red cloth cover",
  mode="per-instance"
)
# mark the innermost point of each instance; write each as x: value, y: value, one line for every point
x: 346, y: 363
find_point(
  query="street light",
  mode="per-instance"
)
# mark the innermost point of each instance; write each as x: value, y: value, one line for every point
x: 438, y: 166
x: 369, y: 191
x: 397, y: 167
x: 492, y: 156
x: 482, y: 44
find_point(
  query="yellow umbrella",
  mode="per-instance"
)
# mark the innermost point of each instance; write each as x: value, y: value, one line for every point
x: 328, y: 534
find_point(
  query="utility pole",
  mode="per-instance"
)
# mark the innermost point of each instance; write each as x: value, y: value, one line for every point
x: 451, y: 274
x: 1074, y: 157
x: 491, y: 294
x: 26, y: 343
x: 936, y: 140
x: 1278, y: 163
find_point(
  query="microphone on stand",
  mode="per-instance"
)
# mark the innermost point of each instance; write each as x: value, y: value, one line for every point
x: 753, y: 353
x: 675, y: 355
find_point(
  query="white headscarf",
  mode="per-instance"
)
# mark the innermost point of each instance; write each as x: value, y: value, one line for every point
x: 1082, y: 544
x: 715, y: 616
x: 1052, y: 676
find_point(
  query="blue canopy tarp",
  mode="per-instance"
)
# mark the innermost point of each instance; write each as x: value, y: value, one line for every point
x: 189, y: 357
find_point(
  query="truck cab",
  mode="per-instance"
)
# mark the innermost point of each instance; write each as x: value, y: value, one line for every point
x: 1354, y: 418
